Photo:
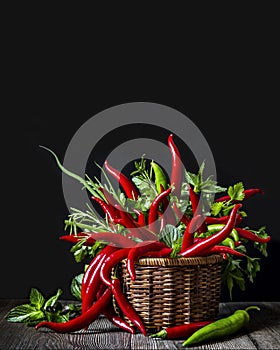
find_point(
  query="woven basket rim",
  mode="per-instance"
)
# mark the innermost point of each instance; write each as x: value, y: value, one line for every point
x: 181, y: 261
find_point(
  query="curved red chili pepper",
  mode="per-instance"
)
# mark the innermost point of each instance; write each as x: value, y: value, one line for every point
x: 110, y: 262
x: 221, y: 220
x: 112, y: 316
x: 126, y: 307
x: 82, y: 321
x: 108, y: 209
x: 197, y: 208
x: 137, y: 251
x: 162, y: 253
x: 222, y: 249
x: 251, y: 235
x: 92, y: 279
x: 191, y: 228
x: 202, y: 247
x: 77, y: 238
x: 153, y: 212
x: 141, y: 217
x: 114, y: 238
x: 248, y: 193
x: 177, y: 169
x: 127, y: 185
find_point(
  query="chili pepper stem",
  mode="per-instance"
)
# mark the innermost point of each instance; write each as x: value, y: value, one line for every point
x: 253, y: 307
x: 161, y: 334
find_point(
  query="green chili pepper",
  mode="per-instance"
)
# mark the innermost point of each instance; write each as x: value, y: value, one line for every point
x: 228, y: 242
x: 160, y: 178
x: 217, y: 227
x: 221, y: 328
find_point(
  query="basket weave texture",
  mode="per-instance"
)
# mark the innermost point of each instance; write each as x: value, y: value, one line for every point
x: 169, y: 292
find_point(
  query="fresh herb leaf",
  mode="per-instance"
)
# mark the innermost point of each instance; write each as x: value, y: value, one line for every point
x: 53, y: 300
x: 177, y: 246
x: 148, y: 191
x: 24, y: 313
x: 76, y: 286
x: 236, y: 192
x: 253, y: 266
x: 36, y: 298
x: 169, y: 235
x: 216, y: 208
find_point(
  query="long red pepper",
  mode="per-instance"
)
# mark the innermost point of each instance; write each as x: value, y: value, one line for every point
x: 137, y: 251
x: 92, y: 280
x: 108, y: 209
x: 180, y: 332
x: 191, y: 228
x: 221, y: 220
x: 110, y: 262
x: 126, y: 307
x: 82, y: 321
x: 112, y: 316
x: 248, y: 193
x: 127, y: 185
x: 141, y: 217
x: 202, y: 247
x: 221, y: 249
x: 251, y: 235
x: 177, y: 169
x: 77, y: 238
x: 196, y: 203
x: 153, y: 212
x: 162, y: 253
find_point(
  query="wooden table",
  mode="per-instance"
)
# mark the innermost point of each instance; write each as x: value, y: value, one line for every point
x: 263, y: 332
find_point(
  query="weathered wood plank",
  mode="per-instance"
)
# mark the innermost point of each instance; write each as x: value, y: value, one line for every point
x: 263, y: 332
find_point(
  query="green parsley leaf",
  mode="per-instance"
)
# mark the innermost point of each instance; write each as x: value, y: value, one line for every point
x: 216, y: 208
x: 236, y: 192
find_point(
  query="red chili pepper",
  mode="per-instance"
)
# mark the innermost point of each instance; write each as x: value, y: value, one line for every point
x: 126, y: 307
x: 112, y: 316
x: 180, y: 332
x: 141, y: 217
x: 137, y: 251
x: 153, y: 212
x: 163, y: 253
x: 128, y: 186
x: 202, y: 247
x: 91, y: 280
x: 113, y: 238
x: 77, y: 238
x: 108, y: 209
x: 110, y: 262
x: 221, y: 220
x: 251, y: 235
x: 82, y: 321
x: 177, y: 169
x: 191, y: 228
x: 197, y: 208
x: 248, y: 193
x: 222, y: 249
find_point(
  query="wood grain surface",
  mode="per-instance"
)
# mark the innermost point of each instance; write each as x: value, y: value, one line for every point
x: 263, y: 332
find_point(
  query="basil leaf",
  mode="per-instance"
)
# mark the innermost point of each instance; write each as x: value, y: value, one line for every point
x: 24, y: 313
x: 36, y: 298
x: 52, y: 301
x: 76, y: 286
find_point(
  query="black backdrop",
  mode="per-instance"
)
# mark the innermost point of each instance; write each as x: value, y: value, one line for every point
x: 229, y: 94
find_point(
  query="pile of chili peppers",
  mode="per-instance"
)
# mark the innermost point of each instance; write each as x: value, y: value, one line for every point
x: 203, y: 235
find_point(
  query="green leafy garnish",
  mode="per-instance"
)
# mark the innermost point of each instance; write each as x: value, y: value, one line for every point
x: 169, y: 235
x: 236, y: 192
x: 39, y: 309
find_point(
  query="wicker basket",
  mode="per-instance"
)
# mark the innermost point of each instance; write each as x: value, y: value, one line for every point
x: 169, y: 292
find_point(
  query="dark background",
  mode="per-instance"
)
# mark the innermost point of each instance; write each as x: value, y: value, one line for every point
x: 225, y: 82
